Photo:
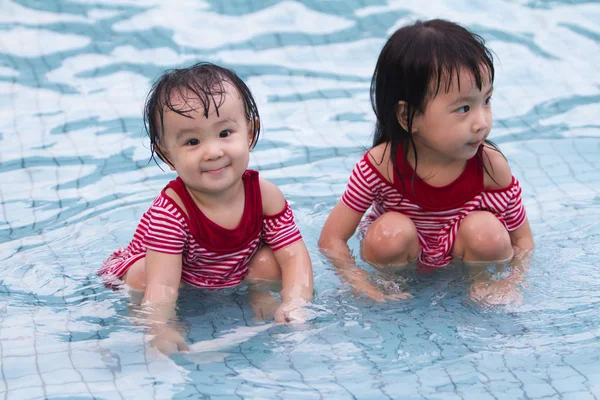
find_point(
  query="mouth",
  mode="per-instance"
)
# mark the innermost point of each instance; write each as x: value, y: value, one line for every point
x: 214, y: 170
x: 475, y: 145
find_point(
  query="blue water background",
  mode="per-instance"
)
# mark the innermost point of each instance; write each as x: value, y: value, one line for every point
x: 75, y: 179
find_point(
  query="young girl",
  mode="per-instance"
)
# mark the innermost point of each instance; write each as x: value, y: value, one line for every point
x: 218, y: 223
x: 437, y: 188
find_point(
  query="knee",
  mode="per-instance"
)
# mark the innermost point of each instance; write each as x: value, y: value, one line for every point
x: 135, y: 277
x: 485, y: 238
x: 391, y: 239
x: 264, y: 266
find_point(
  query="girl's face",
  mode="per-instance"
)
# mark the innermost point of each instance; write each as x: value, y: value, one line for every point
x: 455, y: 123
x: 210, y: 154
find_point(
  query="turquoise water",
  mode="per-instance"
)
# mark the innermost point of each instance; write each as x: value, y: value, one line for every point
x: 75, y: 179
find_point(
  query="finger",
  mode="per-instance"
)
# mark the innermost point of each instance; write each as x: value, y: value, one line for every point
x: 295, y: 317
x: 378, y: 297
x: 183, y: 346
x: 399, y: 296
x: 165, y: 347
x: 280, y: 318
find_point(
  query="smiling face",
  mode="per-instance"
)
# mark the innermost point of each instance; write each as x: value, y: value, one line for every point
x: 455, y: 122
x: 210, y: 154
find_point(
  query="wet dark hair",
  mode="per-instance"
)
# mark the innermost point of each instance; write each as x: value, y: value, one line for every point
x: 202, y: 84
x: 412, y: 67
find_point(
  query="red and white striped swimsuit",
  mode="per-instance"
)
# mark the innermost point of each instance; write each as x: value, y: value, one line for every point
x: 437, y: 212
x: 212, y: 256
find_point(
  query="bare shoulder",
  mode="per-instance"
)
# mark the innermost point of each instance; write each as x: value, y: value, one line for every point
x: 380, y: 159
x: 175, y: 197
x: 272, y: 198
x: 498, y: 174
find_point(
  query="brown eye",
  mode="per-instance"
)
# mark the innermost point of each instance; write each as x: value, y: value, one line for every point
x: 225, y: 133
x: 192, y: 142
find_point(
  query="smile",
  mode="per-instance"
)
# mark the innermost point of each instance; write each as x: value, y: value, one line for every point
x: 214, y: 171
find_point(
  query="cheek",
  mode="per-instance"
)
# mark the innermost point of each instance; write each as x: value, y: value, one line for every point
x: 245, y: 155
x: 438, y: 127
x: 241, y: 151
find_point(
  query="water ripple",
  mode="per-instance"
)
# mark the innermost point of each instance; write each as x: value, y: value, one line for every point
x: 76, y: 178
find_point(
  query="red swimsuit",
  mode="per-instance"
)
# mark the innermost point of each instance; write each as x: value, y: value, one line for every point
x: 212, y: 256
x: 437, y: 212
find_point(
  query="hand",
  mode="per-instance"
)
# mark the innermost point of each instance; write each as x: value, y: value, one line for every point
x: 366, y: 288
x: 496, y: 293
x: 168, y: 340
x: 291, y: 312
x: 375, y: 294
x: 263, y: 304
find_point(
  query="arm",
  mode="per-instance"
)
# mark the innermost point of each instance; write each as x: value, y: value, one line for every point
x: 296, y: 273
x: 345, y: 217
x: 522, y: 238
x: 293, y: 258
x: 493, y: 290
x: 339, y: 227
x: 500, y: 176
x: 164, y: 240
x: 506, y: 290
x: 296, y: 282
x: 163, y: 276
x: 333, y: 242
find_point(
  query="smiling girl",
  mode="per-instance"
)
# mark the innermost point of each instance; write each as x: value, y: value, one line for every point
x: 218, y: 224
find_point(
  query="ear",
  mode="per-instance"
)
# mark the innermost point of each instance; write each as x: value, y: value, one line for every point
x: 163, y: 155
x: 401, y: 114
x: 253, y: 127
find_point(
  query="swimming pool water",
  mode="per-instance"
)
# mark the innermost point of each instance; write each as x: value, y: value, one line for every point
x: 75, y: 179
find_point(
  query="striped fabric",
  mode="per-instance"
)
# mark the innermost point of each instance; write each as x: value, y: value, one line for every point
x: 436, y: 229
x: 163, y: 228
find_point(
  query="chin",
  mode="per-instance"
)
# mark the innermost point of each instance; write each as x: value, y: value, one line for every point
x: 220, y: 185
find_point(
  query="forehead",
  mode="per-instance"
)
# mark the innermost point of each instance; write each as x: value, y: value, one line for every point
x: 221, y: 98
x: 461, y: 82
x: 192, y: 110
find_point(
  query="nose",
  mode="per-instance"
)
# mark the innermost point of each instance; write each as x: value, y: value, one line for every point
x: 212, y: 150
x: 482, y: 120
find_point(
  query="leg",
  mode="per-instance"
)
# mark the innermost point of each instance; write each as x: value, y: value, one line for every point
x: 483, y: 240
x: 481, y: 237
x: 391, y: 242
x: 135, y: 277
x: 263, y: 268
x: 167, y: 337
x: 264, y: 276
